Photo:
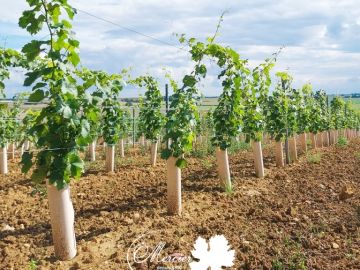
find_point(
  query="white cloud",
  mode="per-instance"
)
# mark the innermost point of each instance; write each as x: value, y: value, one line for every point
x: 322, y: 37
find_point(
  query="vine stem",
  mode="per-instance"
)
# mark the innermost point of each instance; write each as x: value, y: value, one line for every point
x: 43, y: 2
x: 218, y: 26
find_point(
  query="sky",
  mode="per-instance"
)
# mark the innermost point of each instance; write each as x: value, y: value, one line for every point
x: 321, y: 38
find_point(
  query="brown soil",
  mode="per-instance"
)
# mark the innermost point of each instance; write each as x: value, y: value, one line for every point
x: 294, y: 217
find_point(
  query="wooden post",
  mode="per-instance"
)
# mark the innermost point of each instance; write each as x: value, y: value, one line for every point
x: 258, y: 159
x: 154, y: 148
x: 110, y: 158
x: 313, y: 140
x: 279, y: 155
x: 222, y: 159
x: 122, y: 148
x: 292, y: 149
x: 303, y: 142
x: 173, y: 187
x: 62, y: 222
x: 92, y: 151
x: 3, y: 160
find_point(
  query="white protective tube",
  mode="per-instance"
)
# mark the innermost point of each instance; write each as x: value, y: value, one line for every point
x: 122, y: 149
x: 258, y: 159
x: 319, y: 140
x: 27, y: 145
x: 293, y: 149
x: 62, y: 222
x: 154, y: 148
x: 92, y: 151
x: 326, y: 141
x: 142, y: 140
x: 222, y: 159
x: 3, y: 160
x: 173, y: 187
x: 279, y: 154
x: 313, y: 140
x: 303, y: 142
x: 11, y: 151
x: 110, y: 158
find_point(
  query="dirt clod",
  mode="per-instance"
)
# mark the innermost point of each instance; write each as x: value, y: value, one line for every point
x: 346, y: 193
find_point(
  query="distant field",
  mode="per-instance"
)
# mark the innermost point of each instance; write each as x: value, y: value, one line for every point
x: 356, y: 103
x: 206, y: 104
x: 210, y: 101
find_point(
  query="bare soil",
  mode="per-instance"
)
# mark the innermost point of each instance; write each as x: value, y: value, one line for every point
x: 303, y: 216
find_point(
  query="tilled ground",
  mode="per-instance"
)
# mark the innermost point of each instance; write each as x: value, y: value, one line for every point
x: 297, y: 217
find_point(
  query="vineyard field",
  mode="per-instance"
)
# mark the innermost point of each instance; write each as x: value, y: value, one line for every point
x: 293, y: 214
x: 203, y: 150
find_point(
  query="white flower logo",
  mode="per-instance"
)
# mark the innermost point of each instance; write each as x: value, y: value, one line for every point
x: 216, y: 254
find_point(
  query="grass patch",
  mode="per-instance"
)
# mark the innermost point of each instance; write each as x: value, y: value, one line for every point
x: 342, y: 142
x: 291, y: 258
x: 237, y: 146
x: 144, y: 150
x: 38, y: 190
x: 119, y: 161
x: 277, y: 265
x: 202, y: 150
x: 206, y: 148
x: 314, y: 158
x: 229, y: 189
x: 357, y: 155
x: 318, y: 230
x: 33, y: 265
x: 208, y: 164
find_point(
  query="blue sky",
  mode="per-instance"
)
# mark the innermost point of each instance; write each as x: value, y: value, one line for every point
x: 322, y: 37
